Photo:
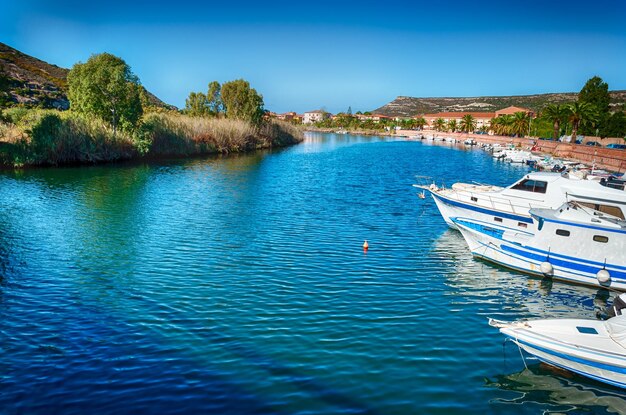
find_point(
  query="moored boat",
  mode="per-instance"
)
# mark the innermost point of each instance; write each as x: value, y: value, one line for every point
x: 510, y: 206
x: 592, y: 348
x: 572, y: 243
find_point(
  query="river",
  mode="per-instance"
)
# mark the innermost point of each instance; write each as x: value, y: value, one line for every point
x: 238, y: 285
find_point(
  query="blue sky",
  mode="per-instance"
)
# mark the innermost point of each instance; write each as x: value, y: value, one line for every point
x: 320, y: 54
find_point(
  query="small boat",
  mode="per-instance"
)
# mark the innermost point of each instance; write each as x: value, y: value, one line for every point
x: 592, y: 348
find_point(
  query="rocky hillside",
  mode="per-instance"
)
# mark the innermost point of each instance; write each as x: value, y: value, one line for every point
x: 35, y: 83
x: 409, y: 106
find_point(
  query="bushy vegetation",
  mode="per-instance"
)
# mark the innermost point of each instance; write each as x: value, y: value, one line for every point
x: 106, y: 122
x: 235, y: 100
x: 50, y: 137
x: 591, y: 114
x: 175, y: 134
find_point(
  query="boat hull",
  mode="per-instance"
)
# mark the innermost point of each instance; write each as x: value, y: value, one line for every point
x: 585, y: 347
x: 450, y: 208
x: 490, y: 243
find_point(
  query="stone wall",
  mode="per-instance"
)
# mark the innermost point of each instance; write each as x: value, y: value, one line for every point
x: 608, y: 158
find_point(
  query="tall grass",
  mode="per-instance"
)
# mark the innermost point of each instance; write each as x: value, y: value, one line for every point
x: 175, y: 134
x: 49, y: 137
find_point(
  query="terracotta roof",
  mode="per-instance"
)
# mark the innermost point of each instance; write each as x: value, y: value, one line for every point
x: 512, y: 110
x: 460, y: 114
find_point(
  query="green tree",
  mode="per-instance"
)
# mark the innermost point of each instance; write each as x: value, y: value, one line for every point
x: 196, y: 104
x: 502, y: 125
x: 214, y: 98
x: 349, y: 112
x: 420, y: 122
x: 452, y: 126
x: 242, y: 102
x: 105, y: 87
x: 616, y: 125
x: 520, y: 124
x: 439, y: 124
x: 557, y: 114
x: 596, y: 93
x: 468, y: 123
x: 581, y: 114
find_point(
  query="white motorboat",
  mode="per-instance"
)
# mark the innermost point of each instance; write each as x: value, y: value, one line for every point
x: 572, y: 243
x: 510, y: 206
x: 592, y: 348
x: 518, y: 156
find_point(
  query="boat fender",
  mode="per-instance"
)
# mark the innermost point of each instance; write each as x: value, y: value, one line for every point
x: 603, y: 276
x: 547, y: 269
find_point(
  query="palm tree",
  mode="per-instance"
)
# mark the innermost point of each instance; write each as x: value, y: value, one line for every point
x: 468, y: 123
x: 502, y: 125
x: 555, y: 113
x: 452, y: 125
x: 519, y: 123
x: 420, y: 122
x: 439, y: 124
x: 581, y: 113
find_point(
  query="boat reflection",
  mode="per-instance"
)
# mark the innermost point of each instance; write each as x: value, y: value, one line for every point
x: 560, y: 390
x: 509, y: 294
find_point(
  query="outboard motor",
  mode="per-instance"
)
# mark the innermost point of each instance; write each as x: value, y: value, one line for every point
x: 619, y: 306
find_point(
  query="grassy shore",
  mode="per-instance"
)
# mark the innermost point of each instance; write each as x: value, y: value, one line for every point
x: 47, y: 137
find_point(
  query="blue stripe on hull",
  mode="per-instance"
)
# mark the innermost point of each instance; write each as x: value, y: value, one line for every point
x: 579, y: 360
x: 486, y: 211
x: 586, y: 269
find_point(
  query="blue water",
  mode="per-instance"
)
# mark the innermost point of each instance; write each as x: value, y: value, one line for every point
x: 239, y: 285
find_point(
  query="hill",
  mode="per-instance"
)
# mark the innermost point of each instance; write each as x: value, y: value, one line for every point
x: 409, y: 106
x: 35, y: 83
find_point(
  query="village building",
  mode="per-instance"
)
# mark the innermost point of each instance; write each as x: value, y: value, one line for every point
x: 373, y: 117
x: 483, y: 119
x: 314, y: 116
x: 512, y: 110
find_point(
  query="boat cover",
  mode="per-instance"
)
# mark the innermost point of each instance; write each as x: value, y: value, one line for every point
x: 616, y: 327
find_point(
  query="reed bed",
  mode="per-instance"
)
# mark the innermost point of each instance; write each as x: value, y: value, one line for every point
x: 48, y: 137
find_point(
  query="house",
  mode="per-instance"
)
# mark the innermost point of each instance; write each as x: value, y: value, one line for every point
x: 314, y: 116
x: 287, y: 116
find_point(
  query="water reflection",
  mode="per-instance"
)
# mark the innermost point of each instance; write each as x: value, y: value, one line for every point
x: 510, y: 295
x: 555, y: 391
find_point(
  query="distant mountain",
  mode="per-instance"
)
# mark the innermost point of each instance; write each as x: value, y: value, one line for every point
x: 36, y: 83
x: 409, y: 106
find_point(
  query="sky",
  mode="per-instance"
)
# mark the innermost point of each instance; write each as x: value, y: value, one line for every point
x: 327, y: 55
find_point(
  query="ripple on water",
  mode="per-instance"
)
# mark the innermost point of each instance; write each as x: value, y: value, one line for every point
x: 238, y: 285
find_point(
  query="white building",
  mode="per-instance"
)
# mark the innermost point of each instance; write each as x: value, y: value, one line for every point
x: 311, y: 117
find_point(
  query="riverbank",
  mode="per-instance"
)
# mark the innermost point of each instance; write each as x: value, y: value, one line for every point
x: 607, y: 158
x: 53, y: 138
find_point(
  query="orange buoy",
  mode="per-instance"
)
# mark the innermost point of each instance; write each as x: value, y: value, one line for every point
x: 365, y: 246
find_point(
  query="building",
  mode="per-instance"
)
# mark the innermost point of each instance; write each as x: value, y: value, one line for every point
x: 372, y: 117
x: 287, y: 116
x: 483, y: 119
x: 314, y: 116
x: 512, y: 110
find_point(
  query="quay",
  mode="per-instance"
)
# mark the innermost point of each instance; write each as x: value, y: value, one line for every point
x: 608, y: 158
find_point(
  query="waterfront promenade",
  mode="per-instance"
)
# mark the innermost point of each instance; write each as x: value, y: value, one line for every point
x: 608, y: 158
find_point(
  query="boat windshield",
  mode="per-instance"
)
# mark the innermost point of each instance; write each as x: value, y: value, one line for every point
x: 613, y: 182
x: 529, y: 185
